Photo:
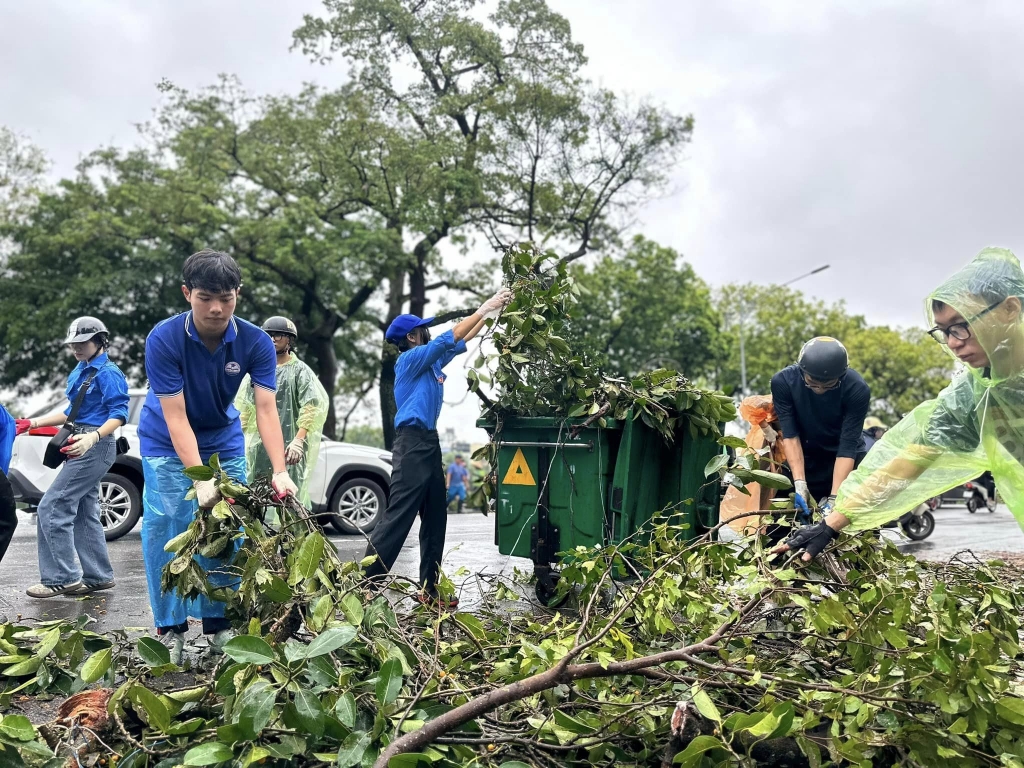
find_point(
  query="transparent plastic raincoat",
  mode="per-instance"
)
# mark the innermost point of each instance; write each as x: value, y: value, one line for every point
x: 302, y: 403
x: 975, y: 424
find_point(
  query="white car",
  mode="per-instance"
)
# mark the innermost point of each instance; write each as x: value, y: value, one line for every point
x: 350, y: 483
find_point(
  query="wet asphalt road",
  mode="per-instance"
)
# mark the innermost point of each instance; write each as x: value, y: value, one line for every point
x: 470, y: 546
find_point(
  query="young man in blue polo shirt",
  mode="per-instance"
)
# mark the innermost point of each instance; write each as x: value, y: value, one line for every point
x: 195, y: 363
x: 417, y: 479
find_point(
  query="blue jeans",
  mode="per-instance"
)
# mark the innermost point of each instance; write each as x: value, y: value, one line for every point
x: 456, y: 492
x: 68, y: 522
x: 165, y: 514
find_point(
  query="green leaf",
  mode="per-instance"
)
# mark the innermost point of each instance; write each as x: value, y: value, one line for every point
x: 146, y: 701
x: 771, y: 479
x: 695, y: 749
x: 153, y: 653
x: 24, y: 668
x: 389, y: 681
x: 353, y: 609
x: 1011, y: 709
x: 331, y: 640
x: 310, y: 712
x: 728, y: 441
x: 706, y: 706
x: 716, y: 463
x: 345, y: 710
x: 199, y: 473
x: 353, y: 748
x: 250, y: 650
x: 95, y: 666
x: 17, y: 727
x: 307, y: 558
x: 211, y: 753
x: 410, y: 760
x: 255, y: 706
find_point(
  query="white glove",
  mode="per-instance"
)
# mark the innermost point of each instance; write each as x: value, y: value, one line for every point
x: 283, y: 485
x: 800, y: 486
x: 78, y: 445
x: 769, y: 434
x: 496, y: 303
x: 295, y: 451
x: 207, y: 493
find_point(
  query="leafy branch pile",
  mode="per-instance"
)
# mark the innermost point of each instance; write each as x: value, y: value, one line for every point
x: 538, y: 371
x: 708, y: 656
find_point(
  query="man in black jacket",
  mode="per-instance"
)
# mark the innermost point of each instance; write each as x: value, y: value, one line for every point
x: 821, y: 404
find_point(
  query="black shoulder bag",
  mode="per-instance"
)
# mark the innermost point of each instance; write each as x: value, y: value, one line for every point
x: 53, y: 457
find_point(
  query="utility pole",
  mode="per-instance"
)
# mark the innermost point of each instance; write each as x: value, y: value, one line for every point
x: 741, y: 318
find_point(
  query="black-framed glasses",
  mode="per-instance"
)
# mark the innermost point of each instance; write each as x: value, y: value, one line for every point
x: 821, y: 386
x: 959, y: 331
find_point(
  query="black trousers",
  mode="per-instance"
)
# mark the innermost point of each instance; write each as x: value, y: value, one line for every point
x: 417, y: 488
x: 8, y: 514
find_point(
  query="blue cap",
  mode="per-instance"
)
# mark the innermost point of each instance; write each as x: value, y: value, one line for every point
x: 404, y: 324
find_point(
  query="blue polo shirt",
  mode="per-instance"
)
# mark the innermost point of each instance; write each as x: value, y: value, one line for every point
x: 107, y: 396
x: 419, y: 382
x: 178, y: 362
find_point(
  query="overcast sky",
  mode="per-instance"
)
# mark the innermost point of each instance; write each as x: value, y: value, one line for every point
x: 879, y: 137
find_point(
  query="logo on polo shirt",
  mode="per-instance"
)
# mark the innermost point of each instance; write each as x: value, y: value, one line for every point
x: 232, y: 368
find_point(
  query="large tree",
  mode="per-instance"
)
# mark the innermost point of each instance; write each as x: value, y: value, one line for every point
x: 648, y: 309
x: 507, y: 140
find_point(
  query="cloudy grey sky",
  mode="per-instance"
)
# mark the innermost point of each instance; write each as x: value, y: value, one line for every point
x: 879, y: 137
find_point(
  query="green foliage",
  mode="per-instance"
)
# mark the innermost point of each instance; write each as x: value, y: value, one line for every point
x: 874, y: 659
x: 647, y: 309
x: 538, y: 373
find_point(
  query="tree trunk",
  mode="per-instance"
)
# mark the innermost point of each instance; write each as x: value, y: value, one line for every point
x: 321, y: 348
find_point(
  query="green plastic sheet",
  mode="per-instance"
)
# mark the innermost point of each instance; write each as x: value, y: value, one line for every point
x: 975, y: 424
x: 302, y: 403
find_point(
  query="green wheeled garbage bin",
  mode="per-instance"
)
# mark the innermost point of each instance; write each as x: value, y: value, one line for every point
x: 557, y: 489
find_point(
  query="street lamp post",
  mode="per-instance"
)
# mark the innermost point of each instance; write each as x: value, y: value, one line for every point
x: 741, y: 318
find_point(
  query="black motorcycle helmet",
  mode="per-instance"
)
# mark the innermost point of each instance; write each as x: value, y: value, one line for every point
x: 87, y: 328
x: 278, y: 324
x: 824, y: 359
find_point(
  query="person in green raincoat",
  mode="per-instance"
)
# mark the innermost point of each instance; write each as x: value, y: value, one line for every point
x: 975, y: 424
x: 302, y: 403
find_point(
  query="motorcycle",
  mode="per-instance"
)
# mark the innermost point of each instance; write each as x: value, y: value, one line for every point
x: 979, y: 497
x: 918, y: 524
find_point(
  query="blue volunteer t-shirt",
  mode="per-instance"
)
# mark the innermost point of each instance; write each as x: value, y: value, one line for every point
x: 178, y: 362
x: 459, y: 474
x: 419, y: 382
x: 107, y: 396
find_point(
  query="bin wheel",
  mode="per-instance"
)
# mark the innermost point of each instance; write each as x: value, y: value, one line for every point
x: 546, y: 588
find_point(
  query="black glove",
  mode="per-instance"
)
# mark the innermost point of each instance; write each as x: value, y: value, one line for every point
x: 812, y: 539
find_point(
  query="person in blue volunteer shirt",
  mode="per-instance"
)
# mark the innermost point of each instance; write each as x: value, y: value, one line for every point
x: 417, y: 475
x: 68, y: 519
x: 458, y: 480
x: 195, y: 363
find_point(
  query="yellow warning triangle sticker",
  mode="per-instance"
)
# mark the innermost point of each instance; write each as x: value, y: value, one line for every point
x: 519, y: 471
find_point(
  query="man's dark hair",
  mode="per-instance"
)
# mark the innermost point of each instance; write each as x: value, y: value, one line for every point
x: 211, y: 271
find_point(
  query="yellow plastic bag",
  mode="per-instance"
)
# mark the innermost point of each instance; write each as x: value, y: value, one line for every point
x: 976, y: 423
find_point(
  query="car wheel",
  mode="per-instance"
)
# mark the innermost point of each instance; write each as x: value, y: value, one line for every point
x: 357, y: 506
x: 120, y: 505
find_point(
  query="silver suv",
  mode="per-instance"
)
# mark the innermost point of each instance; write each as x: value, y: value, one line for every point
x: 349, y: 487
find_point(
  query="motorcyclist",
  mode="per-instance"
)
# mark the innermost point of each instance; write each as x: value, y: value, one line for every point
x: 821, y: 403
x: 975, y: 424
x: 302, y: 405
